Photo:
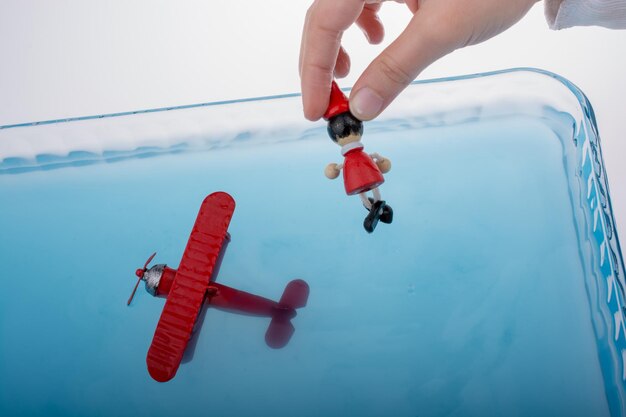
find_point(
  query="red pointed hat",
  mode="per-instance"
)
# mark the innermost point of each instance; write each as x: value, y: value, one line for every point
x: 338, y: 102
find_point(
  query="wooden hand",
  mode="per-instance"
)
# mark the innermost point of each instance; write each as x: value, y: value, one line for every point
x: 384, y: 164
x: 332, y: 171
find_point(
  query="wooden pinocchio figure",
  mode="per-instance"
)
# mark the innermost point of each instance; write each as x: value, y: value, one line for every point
x: 361, y: 172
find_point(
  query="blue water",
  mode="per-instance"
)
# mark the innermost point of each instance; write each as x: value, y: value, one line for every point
x: 472, y: 303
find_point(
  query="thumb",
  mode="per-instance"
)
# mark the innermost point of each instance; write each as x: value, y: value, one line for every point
x: 422, y: 43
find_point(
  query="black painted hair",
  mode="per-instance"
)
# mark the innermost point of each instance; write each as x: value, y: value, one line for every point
x: 343, y: 125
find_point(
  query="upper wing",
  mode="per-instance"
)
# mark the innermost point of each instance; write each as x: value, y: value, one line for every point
x: 189, y: 287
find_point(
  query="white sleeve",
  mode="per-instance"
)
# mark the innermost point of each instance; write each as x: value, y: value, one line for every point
x: 563, y: 14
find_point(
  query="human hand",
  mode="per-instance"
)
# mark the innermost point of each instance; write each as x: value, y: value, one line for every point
x: 437, y: 28
x: 332, y: 171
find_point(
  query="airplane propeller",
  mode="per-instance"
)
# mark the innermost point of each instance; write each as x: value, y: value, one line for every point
x: 139, y: 274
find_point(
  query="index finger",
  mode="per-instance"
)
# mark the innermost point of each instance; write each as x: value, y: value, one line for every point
x: 325, y: 22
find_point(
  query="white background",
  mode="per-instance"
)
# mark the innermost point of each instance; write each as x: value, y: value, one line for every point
x: 81, y: 57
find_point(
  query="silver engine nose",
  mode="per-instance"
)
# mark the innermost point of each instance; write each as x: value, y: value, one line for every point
x: 153, y: 277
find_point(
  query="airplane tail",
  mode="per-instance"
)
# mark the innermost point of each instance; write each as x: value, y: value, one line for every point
x: 295, y: 295
x: 280, y: 329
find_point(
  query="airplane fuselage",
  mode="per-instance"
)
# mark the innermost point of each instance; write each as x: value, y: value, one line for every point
x: 160, y: 279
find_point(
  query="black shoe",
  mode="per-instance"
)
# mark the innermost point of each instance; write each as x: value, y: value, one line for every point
x: 387, y: 216
x: 371, y: 221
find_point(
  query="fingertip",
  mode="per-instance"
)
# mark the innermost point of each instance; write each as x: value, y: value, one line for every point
x: 374, y: 35
x: 311, y: 116
x: 366, y: 104
x: 314, y: 110
x: 376, y: 40
x: 376, y: 31
x: 341, y: 72
x: 372, y: 27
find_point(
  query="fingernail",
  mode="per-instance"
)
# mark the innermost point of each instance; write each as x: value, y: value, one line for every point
x: 366, y: 104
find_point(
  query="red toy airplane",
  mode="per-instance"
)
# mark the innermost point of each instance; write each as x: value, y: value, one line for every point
x: 189, y: 287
